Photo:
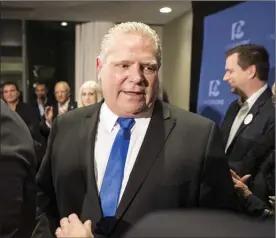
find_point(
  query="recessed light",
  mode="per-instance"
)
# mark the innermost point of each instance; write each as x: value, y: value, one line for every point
x: 64, y: 23
x: 165, y: 10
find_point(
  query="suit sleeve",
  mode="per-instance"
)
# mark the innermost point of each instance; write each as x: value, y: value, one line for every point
x: 17, y: 172
x: 47, y: 211
x: 257, y: 154
x: 216, y: 189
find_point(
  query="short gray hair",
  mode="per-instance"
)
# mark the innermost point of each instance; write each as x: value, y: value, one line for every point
x: 128, y: 28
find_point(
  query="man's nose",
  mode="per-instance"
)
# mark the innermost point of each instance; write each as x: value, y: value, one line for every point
x: 225, y: 78
x: 137, y: 75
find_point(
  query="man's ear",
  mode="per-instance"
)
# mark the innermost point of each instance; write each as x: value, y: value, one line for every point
x: 99, y: 65
x: 252, y: 71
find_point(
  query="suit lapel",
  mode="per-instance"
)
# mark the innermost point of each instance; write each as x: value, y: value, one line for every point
x: 159, y: 128
x: 229, y: 119
x: 254, y: 111
x: 87, y: 136
x: 55, y: 110
x: 71, y: 106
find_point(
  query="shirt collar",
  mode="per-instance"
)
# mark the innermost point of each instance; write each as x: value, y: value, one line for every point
x: 253, y: 98
x: 110, y: 119
x: 65, y: 105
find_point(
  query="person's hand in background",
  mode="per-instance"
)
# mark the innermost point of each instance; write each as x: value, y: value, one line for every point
x: 240, y: 184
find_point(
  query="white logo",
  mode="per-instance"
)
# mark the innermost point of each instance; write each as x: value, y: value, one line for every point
x: 213, y: 88
x: 237, y: 30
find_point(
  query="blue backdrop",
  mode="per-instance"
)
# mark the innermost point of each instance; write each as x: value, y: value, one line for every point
x: 249, y: 22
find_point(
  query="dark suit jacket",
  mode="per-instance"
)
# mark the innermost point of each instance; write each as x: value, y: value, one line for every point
x: 45, y: 130
x: 17, y: 177
x: 31, y: 118
x: 248, y: 136
x: 34, y: 104
x: 201, y: 224
x: 181, y: 164
x: 260, y: 163
x: 27, y: 113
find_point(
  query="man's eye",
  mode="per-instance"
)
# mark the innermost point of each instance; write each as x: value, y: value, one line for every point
x: 123, y: 66
x: 150, y: 68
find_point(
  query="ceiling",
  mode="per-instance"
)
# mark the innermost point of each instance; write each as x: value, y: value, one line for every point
x: 83, y: 11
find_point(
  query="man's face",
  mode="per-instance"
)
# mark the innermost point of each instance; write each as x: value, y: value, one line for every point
x: 40, y: 91
x: 235, y: 75
x: 129, y: 74
x: 10, y: 94
x: 61, y: 92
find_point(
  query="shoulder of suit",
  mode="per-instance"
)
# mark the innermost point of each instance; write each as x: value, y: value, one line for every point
x: 268, y: 108
x: 78, y: 113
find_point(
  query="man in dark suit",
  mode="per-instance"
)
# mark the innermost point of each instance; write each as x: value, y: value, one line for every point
x: 17, y: 177
x: 253, y: 115
x: 11, y: 95
x: 63, y: 105
x: 41, y: 100
x: 115, y: 161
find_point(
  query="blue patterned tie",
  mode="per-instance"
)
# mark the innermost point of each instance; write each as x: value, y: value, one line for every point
x: 114, y: 173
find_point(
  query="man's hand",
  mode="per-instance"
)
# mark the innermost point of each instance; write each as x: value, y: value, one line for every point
x: 272, y: 201
x: 240, y: 184
x: 72, y: 227
x: 49, y: 114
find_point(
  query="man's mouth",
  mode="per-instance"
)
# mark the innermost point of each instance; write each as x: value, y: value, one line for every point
x: 133, y: 93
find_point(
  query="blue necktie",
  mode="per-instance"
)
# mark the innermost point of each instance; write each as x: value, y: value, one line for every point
x: 114, y: 173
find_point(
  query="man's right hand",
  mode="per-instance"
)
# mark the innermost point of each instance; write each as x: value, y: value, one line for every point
x: 49, y: 114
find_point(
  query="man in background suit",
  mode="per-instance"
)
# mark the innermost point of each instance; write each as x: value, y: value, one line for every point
x: 17, y: 176
x: 115, y: 161
x: 11, y: 95
x: 63, y: 105
x: 41, y: 100
x: 252, y: 117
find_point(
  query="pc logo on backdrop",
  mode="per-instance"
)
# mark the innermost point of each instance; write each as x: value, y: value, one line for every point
x: 237, y: 30
x: 214, y: 88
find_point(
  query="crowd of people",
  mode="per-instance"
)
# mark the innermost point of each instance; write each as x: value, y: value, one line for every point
x: 96, y: 167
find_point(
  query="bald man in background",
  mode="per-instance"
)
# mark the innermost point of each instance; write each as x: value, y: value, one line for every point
x: 63, y: 105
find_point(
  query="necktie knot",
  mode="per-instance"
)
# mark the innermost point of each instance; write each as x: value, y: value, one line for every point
x: 126, y: 123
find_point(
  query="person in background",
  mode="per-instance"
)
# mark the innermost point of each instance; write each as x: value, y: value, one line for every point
x: 259, y: 175
x: 11, y: 94
x: 250, y: 118
x: 63, y: 105
x: 90, y: 93
x: 41, y: 101
x: 17, y: 176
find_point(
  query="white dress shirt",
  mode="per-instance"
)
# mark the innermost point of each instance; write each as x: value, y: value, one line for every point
x: 41, y: 108
x: 63, y: 108
x: 106, y: 133
x: 247, y: 105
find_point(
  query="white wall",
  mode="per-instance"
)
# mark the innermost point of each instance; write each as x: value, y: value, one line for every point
x: 177, y: 47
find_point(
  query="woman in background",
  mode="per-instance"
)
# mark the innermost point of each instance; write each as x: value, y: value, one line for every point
x: 90, y: 93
